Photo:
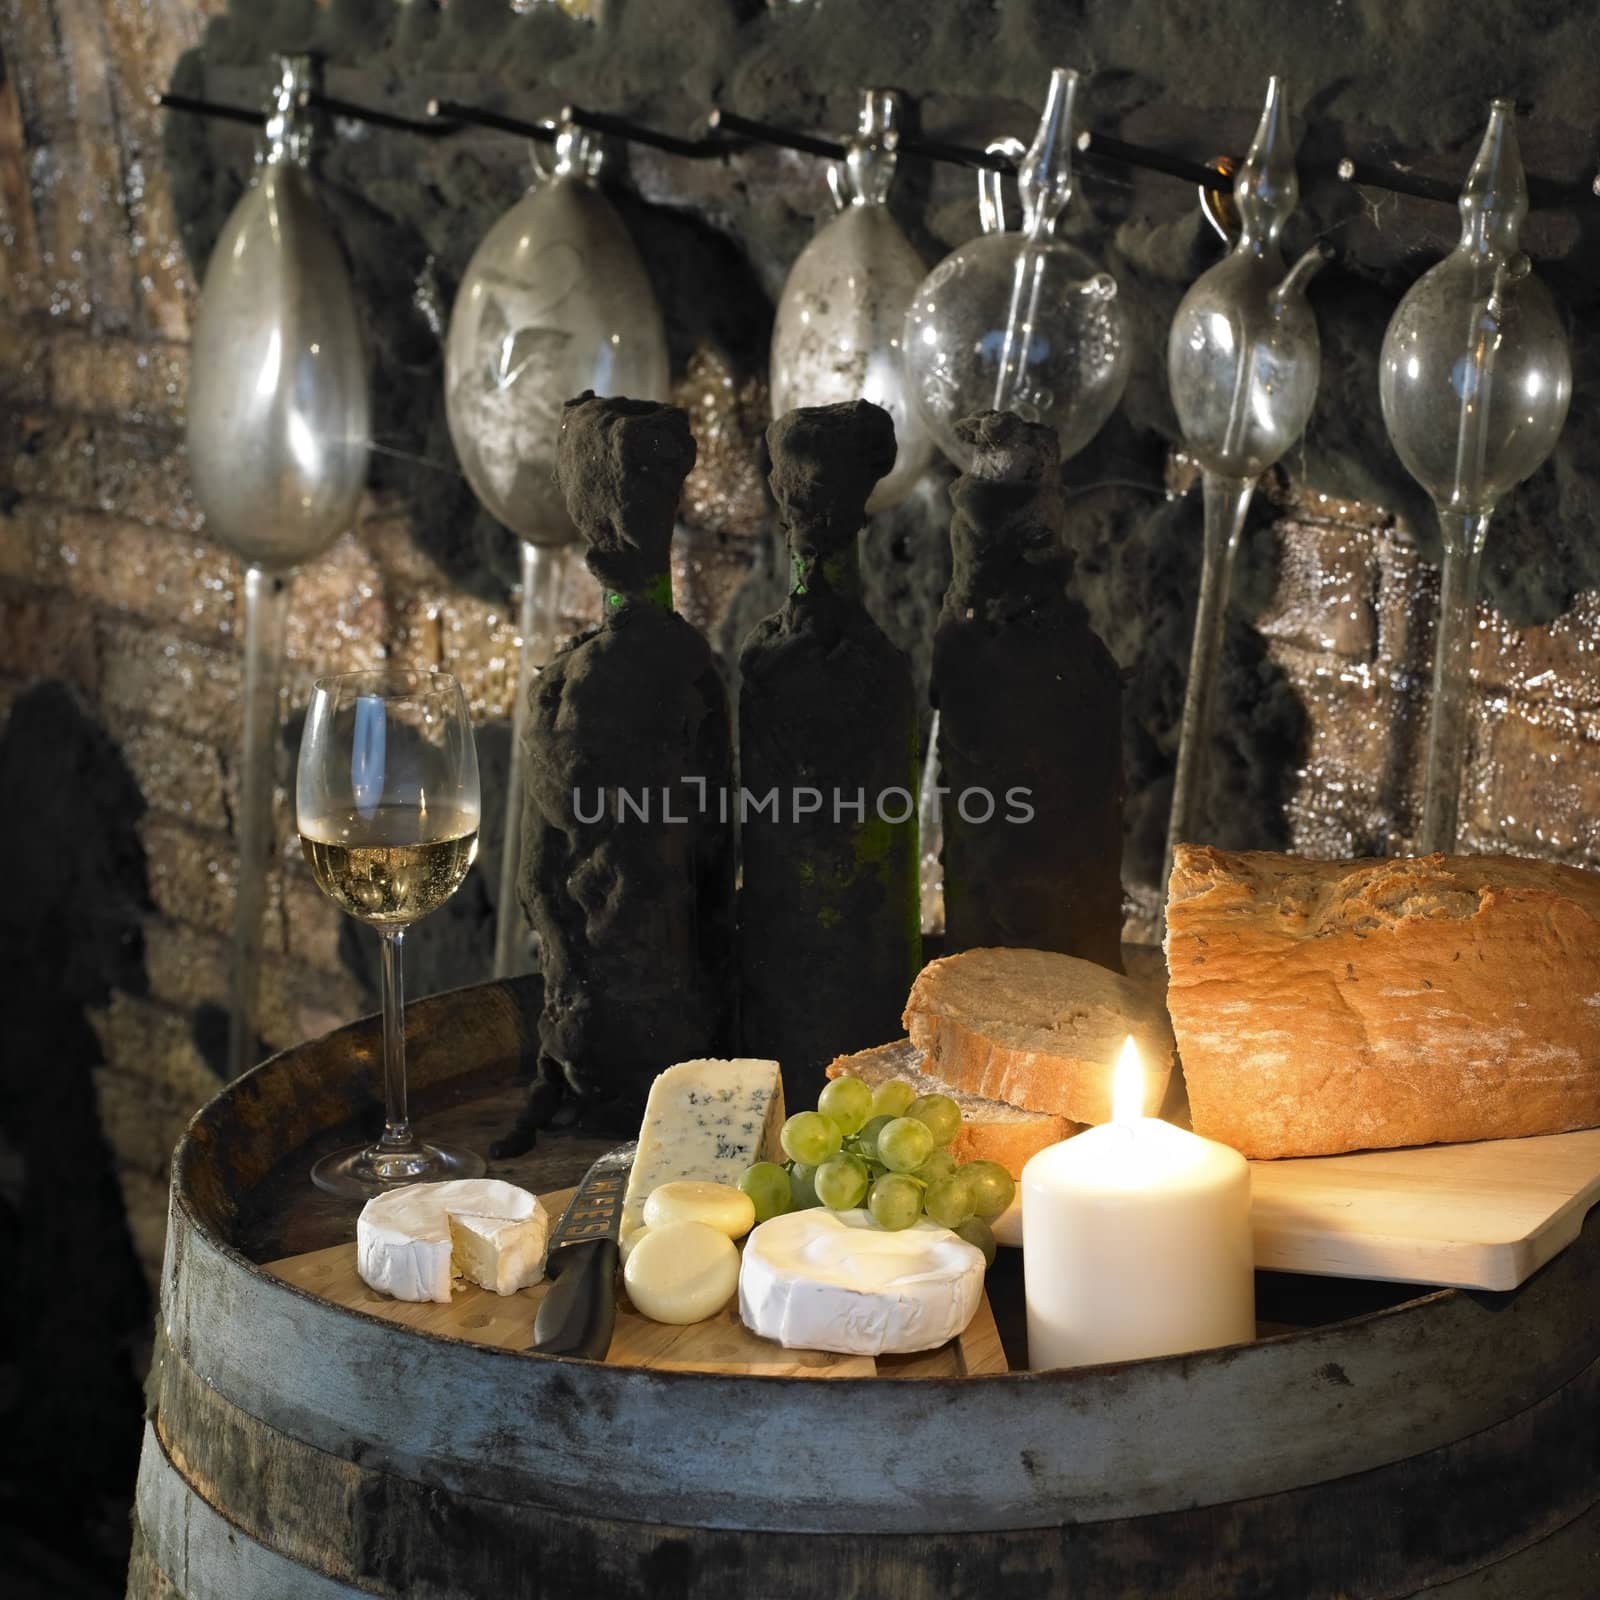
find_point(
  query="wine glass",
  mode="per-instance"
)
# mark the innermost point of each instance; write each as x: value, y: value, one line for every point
x: 386, y: 800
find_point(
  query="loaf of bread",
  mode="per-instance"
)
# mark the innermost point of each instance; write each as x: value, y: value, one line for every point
x: 991, y: 1130
x: 1036, y: 1029
x: 1323, y: 1006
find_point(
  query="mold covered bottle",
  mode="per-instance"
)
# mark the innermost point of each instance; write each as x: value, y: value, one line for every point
x: 829, y: 907
x: 627, y: 841
x: 1030, y: 715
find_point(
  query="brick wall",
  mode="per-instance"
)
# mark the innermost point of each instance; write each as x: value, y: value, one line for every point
x: 108, y: 582
x: 1351, y: 624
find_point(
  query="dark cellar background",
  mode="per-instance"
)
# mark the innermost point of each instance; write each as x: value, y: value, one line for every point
x: 92, y: 924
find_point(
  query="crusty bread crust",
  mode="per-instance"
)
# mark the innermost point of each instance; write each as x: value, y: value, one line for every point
x: 1323, y: 1006
x: 990, y: 1130
x: 1036, y: 1029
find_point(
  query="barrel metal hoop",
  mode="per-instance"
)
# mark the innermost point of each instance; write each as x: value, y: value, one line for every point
x: 1434, y: 1519
x: 207, y: 1557
x: 1037, y: 1449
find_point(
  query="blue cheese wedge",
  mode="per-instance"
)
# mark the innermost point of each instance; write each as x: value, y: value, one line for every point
x: 707, y: 1120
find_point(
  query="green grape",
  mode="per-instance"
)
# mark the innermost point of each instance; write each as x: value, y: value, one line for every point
x: 940, y: 1112
x: 993, y: 1188
x: 949, y: 1201
x: 939, y: 1165
x: 891, y: 1099
x: 810, y: 1137
x: 895, y: 1201
x: 802, y: 1187
x: 867, y: 1139
x: 767, y: 1184
x: 905, y: 1144
x: 841, y: 1182
x: 846, y: 1101
x: 978, y: 1232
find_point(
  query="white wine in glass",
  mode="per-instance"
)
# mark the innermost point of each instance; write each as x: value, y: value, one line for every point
x: 387, y: 804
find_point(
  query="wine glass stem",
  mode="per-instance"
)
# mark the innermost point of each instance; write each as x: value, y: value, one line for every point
x: 1464, y: 535
x: 397, y: 1133
x: 1226, y: 502
x: 266, y: 608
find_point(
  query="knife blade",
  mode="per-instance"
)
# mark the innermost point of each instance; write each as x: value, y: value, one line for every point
x: 578, y: 1314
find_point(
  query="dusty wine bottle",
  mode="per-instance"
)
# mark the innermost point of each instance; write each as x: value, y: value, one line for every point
x: 627, y: 835
x: 829, y: 924
x: 1030, y: 714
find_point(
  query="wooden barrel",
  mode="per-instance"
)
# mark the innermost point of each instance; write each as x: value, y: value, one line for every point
x: 1446, y: 1444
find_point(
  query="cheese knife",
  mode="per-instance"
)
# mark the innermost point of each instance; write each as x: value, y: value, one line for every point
x: 577, y: 1315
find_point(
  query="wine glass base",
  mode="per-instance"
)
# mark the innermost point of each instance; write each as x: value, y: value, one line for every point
x: 363, y: 1170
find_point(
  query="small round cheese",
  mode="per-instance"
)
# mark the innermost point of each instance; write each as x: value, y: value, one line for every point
x: 835, y: 1280
x: 1007, y: 1227
x: 630, y: 1237
x: 681, y: 1272
x: 718, y: 1205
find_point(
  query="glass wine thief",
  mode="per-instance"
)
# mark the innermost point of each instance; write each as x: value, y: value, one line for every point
x: 1474, y: 380
x: 1243, y: 362
x: 1021, y: 321
x: 554, y: 301
x: 840, y: 318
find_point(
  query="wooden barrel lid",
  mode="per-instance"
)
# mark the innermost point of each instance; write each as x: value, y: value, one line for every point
x: 1433, y: 1445
x: 1035, y: 1449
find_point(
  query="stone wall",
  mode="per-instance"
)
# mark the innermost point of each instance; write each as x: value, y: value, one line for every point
x: 107, y: 581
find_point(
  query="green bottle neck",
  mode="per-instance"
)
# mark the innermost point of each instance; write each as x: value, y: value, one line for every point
x: 841, y: 572
x: 657, y: 593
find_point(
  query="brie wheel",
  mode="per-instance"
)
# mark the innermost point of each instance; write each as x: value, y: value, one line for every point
x: 835, y: 1280
x: 682, y: 1272
x: 500, y: 1253
x: 411, y: 1241
x: 718, y: 1205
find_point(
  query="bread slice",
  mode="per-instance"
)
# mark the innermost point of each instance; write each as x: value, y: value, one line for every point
x: 1343, y: 1005
x: 991, y: 1130
x: 1036, y: 1029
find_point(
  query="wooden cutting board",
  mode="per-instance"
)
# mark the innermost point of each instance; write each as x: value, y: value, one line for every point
x: 719, y: 1344
x: 1469, y: 1216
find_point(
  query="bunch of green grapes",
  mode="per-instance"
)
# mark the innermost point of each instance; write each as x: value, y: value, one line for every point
x: 888, y: 1150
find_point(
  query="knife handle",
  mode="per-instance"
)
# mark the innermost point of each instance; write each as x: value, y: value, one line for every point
x: 577, y: 1315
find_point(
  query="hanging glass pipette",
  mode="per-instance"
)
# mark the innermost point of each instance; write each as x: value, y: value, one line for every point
x: 1243, y: 360
x: 1475, y: 380
x: 840, y: 318
x: 278, y: 441
x: 1021, y: 322
x: 555, y: 301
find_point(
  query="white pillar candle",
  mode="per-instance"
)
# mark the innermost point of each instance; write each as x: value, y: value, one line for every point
x: 1135, y: 1240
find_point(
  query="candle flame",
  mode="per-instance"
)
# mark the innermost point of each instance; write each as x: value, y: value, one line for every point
x: 1127, y: 1087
